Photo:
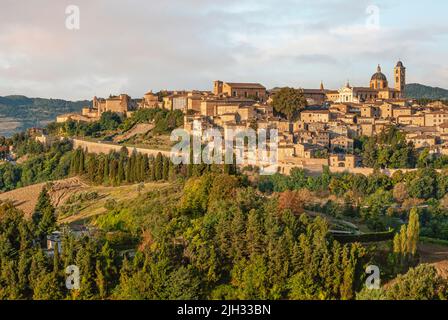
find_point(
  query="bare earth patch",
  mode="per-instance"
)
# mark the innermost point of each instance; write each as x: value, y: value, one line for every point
x: 90, y: 209
x: 141, y: 128
x: 26, y: 198
x: 435, y: 254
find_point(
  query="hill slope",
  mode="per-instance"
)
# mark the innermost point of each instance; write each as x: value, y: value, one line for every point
x: 419, y: 91
x: 18, y: 113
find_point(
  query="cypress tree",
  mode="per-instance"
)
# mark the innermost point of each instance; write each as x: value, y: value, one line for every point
x: 91, y: 166
x: 144, y: 168
x: 166, y: 168
x: 403, y: 239
x: 44, y: 217
x: 99, y: 174
x: 413, y: 231
x: 106, y: 169
x: 74, y: 163
x: 120, y: 173
x: 113, y: 171
x: 152, y: 167
x: 81, y: 166
x: 56, y: 259
x: 129, y: 171
x: 159, y: 167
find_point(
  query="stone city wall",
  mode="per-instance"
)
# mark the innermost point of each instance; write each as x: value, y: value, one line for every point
x: 314, y: 166
x: 104, y: 147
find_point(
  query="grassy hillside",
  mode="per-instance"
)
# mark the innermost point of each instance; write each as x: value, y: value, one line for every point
x: 419, y: 91
x: 18, y: 113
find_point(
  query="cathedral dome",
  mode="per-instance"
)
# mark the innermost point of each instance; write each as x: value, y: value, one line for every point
x: 379, y: 76
x: 399, y: 64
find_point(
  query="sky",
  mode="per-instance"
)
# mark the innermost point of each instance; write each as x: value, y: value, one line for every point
x: 135, y: 46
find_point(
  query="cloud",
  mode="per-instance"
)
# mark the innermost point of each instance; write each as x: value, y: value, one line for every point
x: 186, y: 44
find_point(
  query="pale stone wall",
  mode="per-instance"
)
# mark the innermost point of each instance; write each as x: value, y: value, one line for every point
x: 75, y: 117
x: 315, y: 166
x: 315, y: 169
x: 96, y: 147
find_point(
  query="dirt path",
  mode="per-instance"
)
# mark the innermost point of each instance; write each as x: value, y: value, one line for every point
x: 436, y: 255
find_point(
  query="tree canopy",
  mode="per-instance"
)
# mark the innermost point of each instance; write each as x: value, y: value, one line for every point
x: 289, y: 102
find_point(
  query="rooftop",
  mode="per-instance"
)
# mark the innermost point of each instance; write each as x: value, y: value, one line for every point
x: 246, y: 85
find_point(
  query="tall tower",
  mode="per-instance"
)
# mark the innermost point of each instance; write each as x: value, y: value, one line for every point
x: 400, y: 77
x: 217, y: 87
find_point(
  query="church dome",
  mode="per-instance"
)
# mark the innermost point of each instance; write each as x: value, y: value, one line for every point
x: 379, y: 76
x: 399, y: 64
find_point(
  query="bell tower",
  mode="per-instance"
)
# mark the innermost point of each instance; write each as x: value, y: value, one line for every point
x: 217, y: 87
x: 400, y: 77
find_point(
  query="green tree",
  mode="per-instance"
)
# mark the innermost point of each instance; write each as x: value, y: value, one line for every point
x: 44, y: 217
x: 289, y: 102
x: 420, y: 283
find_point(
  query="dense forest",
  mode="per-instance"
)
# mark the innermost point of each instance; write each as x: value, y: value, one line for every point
x: 419, y: 91
x: 211, y: 237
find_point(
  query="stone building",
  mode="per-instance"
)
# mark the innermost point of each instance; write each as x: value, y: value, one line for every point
x: 342, y: 143
x: 315, y: 96
x: 240, y: 90
x: 342, y: 161
x: 435, y: 118
x: 310, y: 116
x: 378, y: 88
x: 119, y: 104
x: 414, y: 120
x: 149, y: 100
x: 422, y: 141
x: 176, y: 101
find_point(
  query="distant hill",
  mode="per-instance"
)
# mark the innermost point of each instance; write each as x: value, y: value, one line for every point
x: 419, y: 91
x: 18, y: 113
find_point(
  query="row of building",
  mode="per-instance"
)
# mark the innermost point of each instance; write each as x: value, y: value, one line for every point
x: 246, y: 93
x: 326, y: 130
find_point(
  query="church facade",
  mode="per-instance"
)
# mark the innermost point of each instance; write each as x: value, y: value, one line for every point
x: 378, y: 88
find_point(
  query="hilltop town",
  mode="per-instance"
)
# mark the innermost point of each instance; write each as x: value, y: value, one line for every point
x: 227, y: 159
x: 323, y: 134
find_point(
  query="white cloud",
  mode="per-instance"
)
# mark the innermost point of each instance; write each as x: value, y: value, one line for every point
x: 185, y: 44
